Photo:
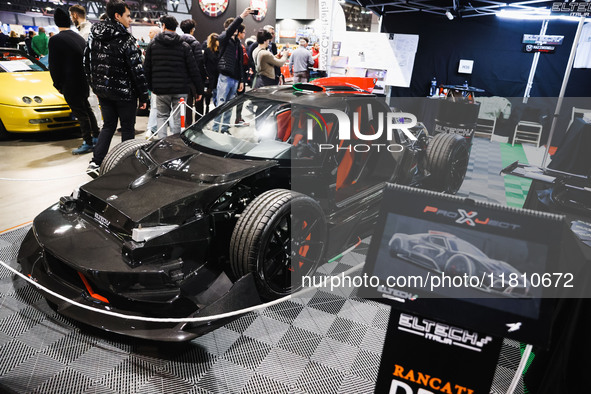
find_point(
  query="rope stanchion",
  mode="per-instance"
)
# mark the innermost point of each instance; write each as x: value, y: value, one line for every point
x: 182, y: 106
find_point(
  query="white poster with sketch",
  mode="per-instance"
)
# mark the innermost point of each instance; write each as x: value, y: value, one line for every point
x: 393, y: 53
x: 583, y: 54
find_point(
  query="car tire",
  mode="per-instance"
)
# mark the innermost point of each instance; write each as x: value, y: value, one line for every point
x: 120, y: 152
x: 458, y: 265
x: 4, y: 135
x: 263, y: 239
x: 447, y: 158
x: 398, y: 245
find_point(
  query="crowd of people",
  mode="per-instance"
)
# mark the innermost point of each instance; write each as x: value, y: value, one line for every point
x: 102, y: 66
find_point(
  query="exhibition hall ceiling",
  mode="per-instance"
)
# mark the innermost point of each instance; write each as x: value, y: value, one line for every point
x: 453, y: 8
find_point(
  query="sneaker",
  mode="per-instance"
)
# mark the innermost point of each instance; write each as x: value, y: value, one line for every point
x: 93, y: 170
x: 84, y: 148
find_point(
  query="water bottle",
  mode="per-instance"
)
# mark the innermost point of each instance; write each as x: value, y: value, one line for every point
x: 433, y: 90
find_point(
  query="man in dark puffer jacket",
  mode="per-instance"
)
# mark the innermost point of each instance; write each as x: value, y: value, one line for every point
x: 113, y: 66
x: 171, y: 69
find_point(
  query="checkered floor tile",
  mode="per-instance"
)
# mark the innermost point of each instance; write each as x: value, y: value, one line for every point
x: 327, y: 342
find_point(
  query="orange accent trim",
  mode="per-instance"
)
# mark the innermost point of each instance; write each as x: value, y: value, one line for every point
x: 284, y: 125
x: 482, y: 221
x: 19, y: 225
x: 90, y: 291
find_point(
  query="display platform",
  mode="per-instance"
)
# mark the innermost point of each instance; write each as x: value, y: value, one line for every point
x: 325, y: 343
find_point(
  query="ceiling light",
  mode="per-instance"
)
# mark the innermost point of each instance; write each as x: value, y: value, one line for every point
x: 449, y: 15
x: 535, y: 14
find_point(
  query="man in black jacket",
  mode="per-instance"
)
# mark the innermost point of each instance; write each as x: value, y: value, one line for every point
x: 113, y: 66
x: 67, y: 71
x: 171, y: 69
x: 230, y: 66
x: 188, y: 27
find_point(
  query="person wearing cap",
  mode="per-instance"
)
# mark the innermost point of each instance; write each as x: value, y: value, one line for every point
x: 67, y: 72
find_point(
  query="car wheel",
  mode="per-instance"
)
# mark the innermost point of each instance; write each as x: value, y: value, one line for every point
x: 4, y: 135
x: 398, y: 245
x: 120, y: 152
x: 280, y: 238
x: 447, y: 157
x: 458, y: 265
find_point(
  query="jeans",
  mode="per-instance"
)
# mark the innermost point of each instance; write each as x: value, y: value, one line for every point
x: 166, y: 103
x: 300, y: 76
x: 226, y: 90
x: 152, y: 122
x: 152, y: 126
x: 83, y: 112
x: 114, y: 111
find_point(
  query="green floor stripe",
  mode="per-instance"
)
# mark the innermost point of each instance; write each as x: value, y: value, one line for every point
x: 515, y: 188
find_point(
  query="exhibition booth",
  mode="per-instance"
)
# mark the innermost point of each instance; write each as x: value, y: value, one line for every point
x: 415, y: 218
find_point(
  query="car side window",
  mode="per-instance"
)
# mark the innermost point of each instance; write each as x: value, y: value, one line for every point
x: 438, y: 241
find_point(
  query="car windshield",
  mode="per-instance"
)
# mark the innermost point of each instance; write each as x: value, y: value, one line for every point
x: 248, y: 126
x: 458, y: 245
x: 15, y: 61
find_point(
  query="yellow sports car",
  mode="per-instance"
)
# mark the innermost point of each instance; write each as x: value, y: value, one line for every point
x: 28, y: 101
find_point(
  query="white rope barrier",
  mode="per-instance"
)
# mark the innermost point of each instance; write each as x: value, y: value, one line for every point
x: 169, y: 320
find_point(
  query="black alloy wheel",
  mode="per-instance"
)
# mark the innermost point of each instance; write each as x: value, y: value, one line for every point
x: 280, y: 238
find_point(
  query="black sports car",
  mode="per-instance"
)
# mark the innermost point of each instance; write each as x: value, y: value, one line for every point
x: 443, y: 252
x: 233, y: 211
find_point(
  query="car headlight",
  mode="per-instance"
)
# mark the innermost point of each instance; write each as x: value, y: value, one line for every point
x: 142, y: 234
x: 27, y: 100
x: 38, y: 99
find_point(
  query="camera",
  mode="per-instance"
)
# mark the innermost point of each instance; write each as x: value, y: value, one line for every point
x: 254, y: 12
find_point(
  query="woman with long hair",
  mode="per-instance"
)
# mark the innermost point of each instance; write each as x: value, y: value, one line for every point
x: 265, y: 62
x: 210, y: 58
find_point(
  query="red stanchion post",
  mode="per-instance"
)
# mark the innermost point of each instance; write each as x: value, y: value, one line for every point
x: 182, y: 104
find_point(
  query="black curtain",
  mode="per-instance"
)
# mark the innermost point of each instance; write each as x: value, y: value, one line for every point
x: 501, y: 67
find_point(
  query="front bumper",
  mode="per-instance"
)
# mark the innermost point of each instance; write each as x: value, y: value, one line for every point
x: 17, y: 119
x: 60, y: 247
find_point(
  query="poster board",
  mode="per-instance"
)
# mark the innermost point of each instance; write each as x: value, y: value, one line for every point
x: 394, y: 53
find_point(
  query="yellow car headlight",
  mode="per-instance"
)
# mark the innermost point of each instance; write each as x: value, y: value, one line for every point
x: 38, y: 99
x: 27, y: 100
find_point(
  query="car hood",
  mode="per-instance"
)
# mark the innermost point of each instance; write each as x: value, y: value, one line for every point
x: 165, y: 184
x: 16, y: 85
